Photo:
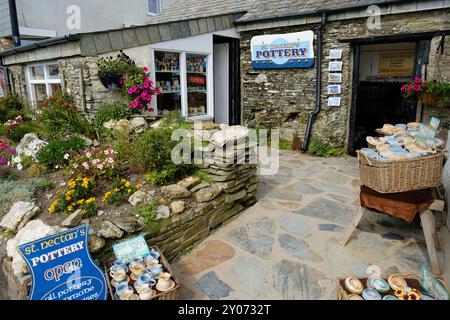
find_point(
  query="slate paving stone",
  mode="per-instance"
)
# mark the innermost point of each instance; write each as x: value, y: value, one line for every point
x: 365, y: 225
x: 213, y: 287
x: 412, y: 256
x: 334, y: 177
x: 298, y: 248
x: 268, y: 204
x: 393, y: 236
x: 333, y: 188
x: 297, y: 281
x: 255, y: 238
x: 373, y: 241
x: 213, y: 253
x: 296, y: 226
x: 331, y: 228
x: 284, y: 171
x: 304, y: 188
x: 283, y: 195
x: 325, y: 209
x: 251, y: 276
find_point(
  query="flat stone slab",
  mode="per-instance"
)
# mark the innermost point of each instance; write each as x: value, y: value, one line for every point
x: 304, y: 188
x: 333, y: 188
x: 297, y: 281
x: 213, y: 287
x: 331, y: 228
x: 255, y: 238
x: 298, y: 248
x: 328, y: 210
x: 213, y: 253
x: 251, y: 276
x: 296, y: 226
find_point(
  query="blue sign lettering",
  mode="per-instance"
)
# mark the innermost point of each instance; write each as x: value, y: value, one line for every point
x: 62, y: 268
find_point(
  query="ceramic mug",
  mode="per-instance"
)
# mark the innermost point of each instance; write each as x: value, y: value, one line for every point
x: 147, y: 278
x: 146, y: 295
x: 137, y: 266
x: 156, y: 270
x: 119, y: 274
x: 164, y: 280
x: 124, y: 291
x: 155, y: 254
x: 150, y: 261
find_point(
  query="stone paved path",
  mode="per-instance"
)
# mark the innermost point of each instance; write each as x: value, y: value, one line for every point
x: 286, y: 246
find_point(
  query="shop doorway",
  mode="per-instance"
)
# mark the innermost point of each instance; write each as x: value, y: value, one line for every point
x: 227, y: 81
x: 380, y: 72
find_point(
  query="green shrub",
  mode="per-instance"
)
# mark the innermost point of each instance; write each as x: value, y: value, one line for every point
x: 175, y: 120
x: 321, y: 149
x: 11, y: 106
x: 170, y: 175
x: 153, y: 152
x: 18, y: 133
x: 285, y: 144
x: 111, y: 112
x: 37, y: 170
x: 53, y: 154
x: 13, y: 191
x: 203, y: 175
x: 148, y: 212
x: 59, y: 116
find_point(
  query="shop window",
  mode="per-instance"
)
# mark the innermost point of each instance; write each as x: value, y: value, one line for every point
x: 43, y: 81
x: 167, y: 74
x: 154, y: 7
x: 183, y: 81
x: 196, y: 69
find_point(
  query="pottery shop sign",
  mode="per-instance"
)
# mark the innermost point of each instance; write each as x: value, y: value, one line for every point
x: 399, y: 63
x: 283, y: 51
x: 62, y: 268
x: 127, y: 250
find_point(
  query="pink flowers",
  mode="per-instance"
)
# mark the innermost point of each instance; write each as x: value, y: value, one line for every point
x: 5, y: 153
x: 141, y: 91
x: 413, y: 90
x: 95, y: 162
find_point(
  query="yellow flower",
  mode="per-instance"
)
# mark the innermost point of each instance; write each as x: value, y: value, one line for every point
x: 85, y: 183
x: 138, y: 186
x: 129, y: 190
x: 52, y: 208
x: 127, y: 184
x: 70, y: 208
x: 68, y: 198
x: 116, y: 190
x: 90, y: 200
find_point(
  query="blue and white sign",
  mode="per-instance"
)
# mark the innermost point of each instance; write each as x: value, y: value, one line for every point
x: 127, y: 250
x: 62, y: 268
x: 283, y: 51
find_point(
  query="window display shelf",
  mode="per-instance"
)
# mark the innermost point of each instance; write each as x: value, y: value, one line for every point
x: 163, y: 71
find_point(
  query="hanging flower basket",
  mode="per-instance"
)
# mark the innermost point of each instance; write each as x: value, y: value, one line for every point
x: 429, y: 99
x: 110, y: 80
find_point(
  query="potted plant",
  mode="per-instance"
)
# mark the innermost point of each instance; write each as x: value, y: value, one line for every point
x: 438, y: 93
x: 413, y: 91
x: 111, y: 71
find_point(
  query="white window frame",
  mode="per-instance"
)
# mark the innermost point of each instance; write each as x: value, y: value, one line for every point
x: 183, y: 84
x: 154, y: 13
x: 47, y: 81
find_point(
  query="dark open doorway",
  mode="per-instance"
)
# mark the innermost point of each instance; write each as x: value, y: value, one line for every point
x: 380, y: 71
x: 227, y: 80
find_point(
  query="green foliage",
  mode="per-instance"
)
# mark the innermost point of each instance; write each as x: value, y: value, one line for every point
x: 321, y: 149
x: 203, y: 175
x: 18, y: 133
x: 53, y: 154
x: 26, y: 161
x: 441, y: 90
x: 148, y: 212
x: 111, y: 112
x: 120, y: 190
x: 285, y: 144
x: 37, y: 170
x: 11, y: 106
x: 175, y: 120
x: 170, y: 175
x: 25, y: 190
x: 59, y: 116
x: 119, y: 65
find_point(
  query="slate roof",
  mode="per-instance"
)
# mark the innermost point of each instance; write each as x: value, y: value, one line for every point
x: 271, y: 9
x: 195, y: 9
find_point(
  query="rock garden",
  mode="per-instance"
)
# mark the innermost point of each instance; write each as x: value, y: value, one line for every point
x: 114, y: 171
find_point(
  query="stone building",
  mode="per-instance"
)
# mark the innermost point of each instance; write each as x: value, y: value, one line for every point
x: 381, y: 45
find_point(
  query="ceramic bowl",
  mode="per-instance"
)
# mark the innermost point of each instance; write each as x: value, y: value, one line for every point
x: 353, y: 285
x: 155, y: 254
x: 371, y: 294
x: 389, y: 297
x: 397, y: 282
x: 380, y: 285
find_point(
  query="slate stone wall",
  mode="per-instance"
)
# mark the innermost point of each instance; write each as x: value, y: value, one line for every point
x: 284, y: 98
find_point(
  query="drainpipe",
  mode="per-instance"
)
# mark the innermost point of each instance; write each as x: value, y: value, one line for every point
x: 14, y: 23
x: 313, y: 115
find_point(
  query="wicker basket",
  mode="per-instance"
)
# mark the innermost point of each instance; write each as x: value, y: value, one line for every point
x: 412, y: 279
x: 172, y: 294
x: 393, y: 176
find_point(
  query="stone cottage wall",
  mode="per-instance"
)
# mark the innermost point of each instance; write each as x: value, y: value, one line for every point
x: 284, y: 98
